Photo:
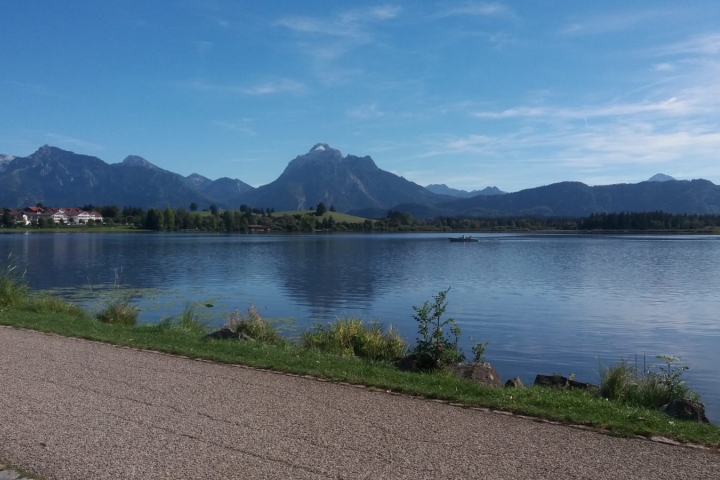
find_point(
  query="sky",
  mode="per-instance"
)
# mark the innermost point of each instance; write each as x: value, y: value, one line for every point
x: 470, y: 94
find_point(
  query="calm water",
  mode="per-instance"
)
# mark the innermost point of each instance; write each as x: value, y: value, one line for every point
x: 546, y: 303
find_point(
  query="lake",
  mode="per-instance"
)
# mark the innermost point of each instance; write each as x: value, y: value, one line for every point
x: 546, y: 303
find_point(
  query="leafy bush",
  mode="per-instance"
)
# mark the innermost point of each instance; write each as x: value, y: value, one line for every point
x: 253, y: 326
x: 119, y: 312
x: 352, y: 336
x: 433, y: 342
x: 652, y: 388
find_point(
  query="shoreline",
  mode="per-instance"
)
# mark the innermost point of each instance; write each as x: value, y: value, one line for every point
x: 572, y: 406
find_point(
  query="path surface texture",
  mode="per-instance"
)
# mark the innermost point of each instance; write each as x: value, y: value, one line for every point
x: 76, y: 409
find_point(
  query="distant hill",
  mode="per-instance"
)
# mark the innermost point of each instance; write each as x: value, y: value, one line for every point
x: 443, y: 189
x: 349, y: 183
x: 58, y: 177
x: 575, y: 199
x: 660, y: 177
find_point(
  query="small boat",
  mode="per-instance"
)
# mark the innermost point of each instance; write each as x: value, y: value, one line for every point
x: 463, y: 239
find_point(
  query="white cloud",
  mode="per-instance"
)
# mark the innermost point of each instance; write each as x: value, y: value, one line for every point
x: 281, y: 85
x: 612, y: 23
x: 365, y: 112
x: 243, y: 126
x: 663, y: 67
x: 707, y: 44
x: 482, y: 9
x: 330, y: 38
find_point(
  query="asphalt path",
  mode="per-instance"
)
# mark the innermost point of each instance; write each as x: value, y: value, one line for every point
x: 74, y: 409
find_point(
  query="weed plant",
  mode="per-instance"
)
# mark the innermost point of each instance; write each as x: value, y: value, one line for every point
x: 13, y: 288
x: 251, y: 325
x: 651, y: 387
x: 353, y: 337
x: 120, y: 312
x: 188, y: 322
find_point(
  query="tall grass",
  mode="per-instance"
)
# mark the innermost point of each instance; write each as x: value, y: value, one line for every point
x: 187, y: 322
x: 352, y: 336
x: 44, y: 303
x: 120, y: 311
x: 652, y: 389
x: 251, y: 325
x: 13, y: 288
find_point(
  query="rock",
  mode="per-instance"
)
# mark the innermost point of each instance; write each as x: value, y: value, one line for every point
x: 686, y: 410
x: 558, y: 381
x: 482, y: 373
x: 589, y: 387
x: 222, y: 334
x: 9, y: 475
x: 553, y: 381
x: 514, y: 383
x: 415, y: 363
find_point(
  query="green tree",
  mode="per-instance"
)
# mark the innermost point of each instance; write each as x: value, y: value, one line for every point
x: 307, y: 223
x: 168, y: 219
x: 321, y: 209
x: 7, y: 219
x: 153, y: 220
x: 214, y: 209
x: 332, y: 208
x: 193, y: 207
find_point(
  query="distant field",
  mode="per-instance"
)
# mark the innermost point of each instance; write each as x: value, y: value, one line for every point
x: 338, y: 217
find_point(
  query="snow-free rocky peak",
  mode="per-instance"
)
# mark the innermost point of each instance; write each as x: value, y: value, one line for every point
x: 661, y: 177
x: 137, y: 161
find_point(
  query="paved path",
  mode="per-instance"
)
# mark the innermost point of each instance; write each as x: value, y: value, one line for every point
x: 77, y: 409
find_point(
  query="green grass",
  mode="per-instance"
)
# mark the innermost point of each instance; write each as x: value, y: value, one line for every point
x: 573, y: 406
x: 338, y: 217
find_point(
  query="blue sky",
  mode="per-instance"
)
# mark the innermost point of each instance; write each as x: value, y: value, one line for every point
x: 471, y: 94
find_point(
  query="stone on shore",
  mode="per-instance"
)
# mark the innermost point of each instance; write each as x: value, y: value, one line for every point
x: 482, y: 373
x: 515, y: 383
x: 686, y: 410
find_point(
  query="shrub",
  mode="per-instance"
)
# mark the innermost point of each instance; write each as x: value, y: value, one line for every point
x: 352, y: 336
x: 433, y: 342
x: 253, y: 326
x: 119, y: 312
x: 654, y: 387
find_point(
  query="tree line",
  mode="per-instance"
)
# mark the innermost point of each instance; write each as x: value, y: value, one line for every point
x: 320, y: 218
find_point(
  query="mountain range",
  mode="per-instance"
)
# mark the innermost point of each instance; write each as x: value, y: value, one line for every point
x: 443, y: 189
x: 350, y: 183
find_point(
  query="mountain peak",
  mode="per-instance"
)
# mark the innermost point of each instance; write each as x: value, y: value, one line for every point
x: 137, y: 161
x: 320, y: 147
x: 661, y: 177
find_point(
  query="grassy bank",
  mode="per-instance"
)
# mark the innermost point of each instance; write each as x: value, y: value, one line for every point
x: 182, y: 337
